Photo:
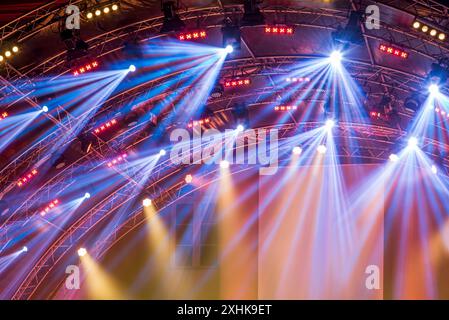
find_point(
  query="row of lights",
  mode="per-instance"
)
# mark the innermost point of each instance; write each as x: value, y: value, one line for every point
x: 295, y: 79
x: 49, y: 207
x: 8, y: 53
x: 193, y: 35
x: 237, y: 83
x: 428, y: 30
x: 442, y: 112
x: 279, y: 30
x: 86, y: 68
x: 25, y: 179
x: 105, y: 126
x: 393, y: 51
x: 117, y: 160
x: 196, y: 123
x: 99, y: 11
x: 285, y: 108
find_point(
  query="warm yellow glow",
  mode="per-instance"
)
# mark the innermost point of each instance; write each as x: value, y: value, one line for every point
x: 97, y: 13
x: 8, y: 53
x: 106, y: 10
x: 416, y: 24
x: 146, y: 202
x: 189, y: 178
x: 114, y: 7
x: 433, y: 32
x: 15, y: 49
x: 100, y: 285
x: 425, y: 28
x: 441, y: 36
x: 90, y: 15
x: 82, y: 252
x: 1, y: 58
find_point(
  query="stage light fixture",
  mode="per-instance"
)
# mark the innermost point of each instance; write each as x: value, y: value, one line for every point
x: 321, y: 149
x: 434, y: 169
x: 297, y: 150
x: 172, y: 21
x: 105, y: 126
x: 25, y: 249
x: 413, y: 143
x: 87, y: 195
x: 82, y: 252
x: 132, y: 68
x: 89, y: 15
x: 351, y: 33
x: 285, y: 108
x: 335, y: 58
x: 117, y: 160
x: 26, y: 178
x: 393, y: 157
x: 229, y: 49
x: 106, y: 10
x: 297, y: 79
x: 114, y: 7
x: 424, y: 28
x: 162, y: 152
x: 412, y: 102
x: 15, y: 49
x: 192, y: 35
x: 416, y: 24
x: 231, y: 36
x: 329, y: 124
x: 146, y: 202
x: 434, y: 89
x: 237, y: 83
x: 279, y: 30
x: 97, y: 12
x: 217, y: 91
x: 224, y: 164
x: 196, y: 123
x: 49, y: 207
x: 1, y: 58
x: 393, y: 51
x: 240, y: 128
x: 188, y: 178
x: 7, y: 54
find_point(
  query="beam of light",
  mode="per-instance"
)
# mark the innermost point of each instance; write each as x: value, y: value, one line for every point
x: 14, y: 126
x: 335, y: 58
x: 434, y: 90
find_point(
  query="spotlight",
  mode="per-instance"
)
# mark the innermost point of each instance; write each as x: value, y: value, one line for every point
x: 106, y: 10
x: 146, y: 202
x: 162, y: 152
x: 297, y: 150
x: 240, y: 128
x: 321, y: 149
x: 224, y: 164
x: 412, y: 143
x: 132, y: 68
x: 8, y: 54
x: 335, y: 58
x: 82, y: 252
x: 229, y: 48
x: 15, y: 49
x: 441, y: 36
x: 433, y: 32
x: 393, y: 157
x: 416, y: 24
x: 1, y: 58
x: 434, y: 169
x: 412, y: 102
x: 188, y: 178
x: 45, y: 108
x: 89, y: 15
x: 87, y: 195
x: 25, y: 249
x: 434, y: 89
x: 97, y: 12
x: 330, y: 124
x: 114, y: 7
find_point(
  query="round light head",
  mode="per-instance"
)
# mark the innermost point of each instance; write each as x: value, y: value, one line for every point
x: 82, y: 252
x: 106, y: 10
x: 335, y: 57
x: 162, y: 152
x: 24, y: 249
x: 434, y: 89
x: 441, y: 36
x: 114, y: 7
x: 87, y: 195
x: 97, y: 12
x: 146, y: 202
x: 188, y: 178
x: 240, y: 128
x: 8, y: 54
x: 132, y: 68
x: 434, y: 169
x: 45, y: 108
x: 433, y: 32
x: 224, y: 164
x: 89, y: 15
x: 297, y: 150
x: 321, y: 149
x: 416, y: 24
x: 412, y: 143
x: 425, y: 28
x: 330, y: 124
x: 229, y: 49
x: 15, y: 49
x: 393, y: 157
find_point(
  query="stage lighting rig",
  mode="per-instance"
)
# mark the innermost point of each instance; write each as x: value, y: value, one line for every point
x: 237, y: 82
x: 351, y: 33
x: 231, y: 35
x: 8, y: 51
x: 426, y: 29
x: 103, y: 10
x: 241, y: 115
x: 193, y: 35
x: 279, y: 30
x: 393, y: 51
x: 172, y: 21
x: 251, y: 13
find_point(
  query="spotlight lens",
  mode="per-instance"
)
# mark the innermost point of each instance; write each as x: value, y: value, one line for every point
x: 330, y: 124
x: 25, y: 249
x: 1, y: 58
x: 434, y: 169
x: 82, y: 252
x: 114, y: 7
x: 106, y: 10
x: 229, y: 49
x: 433, y: 89
x: 224, y: 164
x: 322, y: 149
x: 441, y: 36
x: 393, y: 157
x: 240, y: 128
x: 90, y: 15
x: 425, y: 28
x: 15, y: 49
x: 146, y: 202
x: 87, y: 195
x: 189, y: 178
x: 433, y: 32
x: 162, y: 152
x: 335, y: 57
x: 8, y: 53
x: 412, y: 142
x: 297, y: 150
x: 45, y: 108
x: 132, y: 68
x: 97, y: 13
x: 416, y: 24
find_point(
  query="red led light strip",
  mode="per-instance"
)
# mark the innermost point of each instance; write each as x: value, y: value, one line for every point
x: 27, y: 178
x: 281, y: 30
x: 285, y: 108
x: 194, y: 35
x: 198, y: 122
x: 88, y: 67
x: 394, y: 51
x: 237, y: 83
x: 117, y: 160
x: 105, y: 126
x: 49, y: 207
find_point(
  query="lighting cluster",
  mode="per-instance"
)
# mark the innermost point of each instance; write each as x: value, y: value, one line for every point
x: 102, y: 10
x: 49, y: 207
x: 285, y: 108
x: 377, y: 115
x: 8, y: 53
x: 279, y: 30
x: 300, y: 79
x: 26, y: 178
x: 442, y: 112
x: 3, y: 115
x: 117, y: 160
x: 237, y: 83
x: 200, y: 122
x: 192, y: 35
x: 417, y: 25
x: 105, y: 126
x: 86, y: 68
x: 394, y: 51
